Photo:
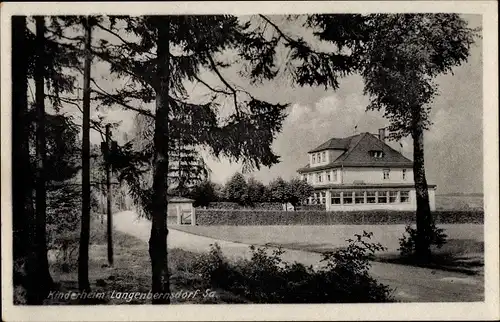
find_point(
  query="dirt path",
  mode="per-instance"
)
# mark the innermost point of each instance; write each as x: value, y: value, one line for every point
x: 411, y: 284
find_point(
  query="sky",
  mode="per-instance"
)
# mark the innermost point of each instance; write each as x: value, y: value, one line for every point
x: 453, y: 145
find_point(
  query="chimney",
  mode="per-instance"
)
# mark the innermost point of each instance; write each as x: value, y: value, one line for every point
x: 381, y: 134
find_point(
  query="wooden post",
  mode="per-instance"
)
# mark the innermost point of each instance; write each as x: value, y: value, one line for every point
x: 108, y: 190
x: 193, y: 216
x: 179, y: 215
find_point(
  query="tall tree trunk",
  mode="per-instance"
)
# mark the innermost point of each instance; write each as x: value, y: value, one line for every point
x: 159, y: 231
x: 83, y: 256
x: 424, y: 216
x: 42, y: 275
x: 22, y: 210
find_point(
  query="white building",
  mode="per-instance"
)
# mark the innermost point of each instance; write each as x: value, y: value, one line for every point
x: 361, y: 172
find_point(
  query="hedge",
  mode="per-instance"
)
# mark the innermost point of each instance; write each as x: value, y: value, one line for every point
x: 226, y: 205
x: 207, y: 217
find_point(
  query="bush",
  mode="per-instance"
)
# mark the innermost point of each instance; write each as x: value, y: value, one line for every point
x: 64, y: 206
x: 316, y: 217
x: 407, y: 242
x: 265, y: 278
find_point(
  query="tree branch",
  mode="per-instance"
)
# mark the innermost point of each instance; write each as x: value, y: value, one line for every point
x: 141, y: 77
x: 101, y: 91
x: 66, y: 100
x: 223, y: 80
x: 210, y: 87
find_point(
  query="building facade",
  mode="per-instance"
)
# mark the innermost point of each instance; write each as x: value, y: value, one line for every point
x: 361, y: 172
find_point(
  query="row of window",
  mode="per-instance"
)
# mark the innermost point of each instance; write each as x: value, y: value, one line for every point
x: 361, y: 197
x: 319, y: 157
x: 386, y: 173
x: 318, y: 177
x: 328, y: 176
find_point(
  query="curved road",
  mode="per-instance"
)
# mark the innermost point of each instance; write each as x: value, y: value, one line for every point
x: 411, y: 284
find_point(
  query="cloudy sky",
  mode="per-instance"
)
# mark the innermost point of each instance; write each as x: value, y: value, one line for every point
x: 453, y: 146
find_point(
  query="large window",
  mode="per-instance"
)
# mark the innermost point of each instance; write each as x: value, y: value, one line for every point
x: 382, y: 197
x: 405, y: 196
x: 335, y: 175
x: 336, y: 198
x: 371, y: 197
x: 359, y: 197
x: 393, y: 196
x: 347, y: 198
x: 386, y: 174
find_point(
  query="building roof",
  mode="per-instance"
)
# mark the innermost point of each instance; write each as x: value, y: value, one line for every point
x: 336, y: 144
x: 357, y: 153
x: 179, y: 200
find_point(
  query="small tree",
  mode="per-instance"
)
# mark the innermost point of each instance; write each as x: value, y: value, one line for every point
x: 236, y: 189
x: 278, y: 189
x: 204, y: 193
x: 256, y: 190
x: 298, y: 191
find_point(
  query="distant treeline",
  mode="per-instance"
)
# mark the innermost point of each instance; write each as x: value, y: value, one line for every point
x: 457, y: 194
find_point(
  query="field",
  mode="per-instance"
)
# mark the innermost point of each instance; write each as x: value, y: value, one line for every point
x: 458, y: 202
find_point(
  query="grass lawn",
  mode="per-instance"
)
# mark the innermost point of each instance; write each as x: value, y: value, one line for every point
x: 465, y: 245
x: 131, y: 272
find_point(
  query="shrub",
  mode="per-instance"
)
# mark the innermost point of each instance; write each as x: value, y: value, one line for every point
x: 318, y: 217
x: 407, y: 242
x: 266, y: 278
x: 254, y: 206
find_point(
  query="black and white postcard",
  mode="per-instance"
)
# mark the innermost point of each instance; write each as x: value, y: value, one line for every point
x: 293, y: 160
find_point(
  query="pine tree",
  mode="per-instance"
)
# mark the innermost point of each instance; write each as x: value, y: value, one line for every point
x: 40, y: 249
x: 22, y: 184
x: 83, y: 254
x: 37, y: 56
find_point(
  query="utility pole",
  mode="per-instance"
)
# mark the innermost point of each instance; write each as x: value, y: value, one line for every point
x: 108, y: 190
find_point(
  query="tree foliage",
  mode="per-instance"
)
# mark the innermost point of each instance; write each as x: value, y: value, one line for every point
x: 236, y: 189
x: 294, y: 192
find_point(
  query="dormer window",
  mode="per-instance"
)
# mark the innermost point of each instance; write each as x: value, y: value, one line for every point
x: 377, y: 154
x: 324, y: 156
x: 314, y: 158
x: 319, y: 158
